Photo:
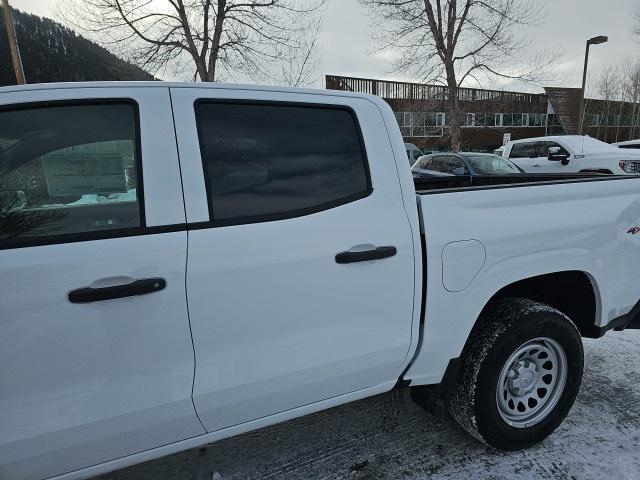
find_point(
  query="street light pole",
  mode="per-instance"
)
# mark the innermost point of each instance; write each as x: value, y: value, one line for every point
x: 591, y: 41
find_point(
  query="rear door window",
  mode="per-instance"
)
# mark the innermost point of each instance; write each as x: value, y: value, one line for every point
x: 524, y: 150
x: 270, y: 161
x: 69, y: 169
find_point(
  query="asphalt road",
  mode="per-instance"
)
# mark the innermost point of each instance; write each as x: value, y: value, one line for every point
x: 387, y: 436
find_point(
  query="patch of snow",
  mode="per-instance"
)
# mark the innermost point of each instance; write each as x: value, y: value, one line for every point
x: 389, y: 437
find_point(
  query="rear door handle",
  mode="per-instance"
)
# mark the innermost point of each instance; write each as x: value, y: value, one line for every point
x: 366, y: 255
x: 137, y: 287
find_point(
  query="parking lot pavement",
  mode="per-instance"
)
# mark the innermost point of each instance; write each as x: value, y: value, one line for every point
x: 387, y: 436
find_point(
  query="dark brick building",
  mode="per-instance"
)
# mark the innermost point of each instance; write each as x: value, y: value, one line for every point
x: 422, y: 113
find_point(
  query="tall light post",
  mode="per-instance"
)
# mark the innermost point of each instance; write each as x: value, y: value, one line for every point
x: 13, y: 42
x: 592, y: 41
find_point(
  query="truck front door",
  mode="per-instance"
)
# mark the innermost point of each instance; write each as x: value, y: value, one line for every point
x: 88, y: 373
x: 555, y: 166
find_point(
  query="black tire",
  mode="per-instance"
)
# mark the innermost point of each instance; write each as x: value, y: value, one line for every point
x: 502, y: 330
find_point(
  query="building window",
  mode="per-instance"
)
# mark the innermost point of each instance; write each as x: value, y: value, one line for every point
x: 507, y: 119
x: 471, y: 120
x: 404, y: 122
x: 536, y: 119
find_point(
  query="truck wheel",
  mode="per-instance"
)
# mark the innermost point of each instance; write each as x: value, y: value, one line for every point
x: 520, y: 374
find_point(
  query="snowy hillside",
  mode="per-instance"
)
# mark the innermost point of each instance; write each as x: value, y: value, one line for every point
x: 53, y: 53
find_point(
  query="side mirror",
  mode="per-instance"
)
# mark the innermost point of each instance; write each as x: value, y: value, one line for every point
x: 459, y: 171
x: 555, y: 156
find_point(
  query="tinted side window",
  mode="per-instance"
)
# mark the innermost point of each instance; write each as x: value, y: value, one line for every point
x: 453, y: 163
x: 425, y: 163
x: 265, y: 161
x: 439, y: 164
x: 523, y: 150
x: 67, y: 169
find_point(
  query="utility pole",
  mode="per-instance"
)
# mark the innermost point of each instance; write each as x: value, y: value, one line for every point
x: 13, y: 43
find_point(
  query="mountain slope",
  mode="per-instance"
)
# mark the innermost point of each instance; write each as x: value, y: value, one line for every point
x: 53, y: 53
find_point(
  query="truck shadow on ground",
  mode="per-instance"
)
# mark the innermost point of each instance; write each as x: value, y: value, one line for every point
x: 389, y: 437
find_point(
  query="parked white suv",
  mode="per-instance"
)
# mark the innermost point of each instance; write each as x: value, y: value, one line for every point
x: 571, y: 153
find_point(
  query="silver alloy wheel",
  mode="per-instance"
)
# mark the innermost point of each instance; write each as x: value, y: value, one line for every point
x: 531, y: 382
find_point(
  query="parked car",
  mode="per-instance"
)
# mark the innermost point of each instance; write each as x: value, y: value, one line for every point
x: 413, y: 152
x: 630, y: 144
x: 464, y: 164
x: 186, y: 300
x: 571, y: 153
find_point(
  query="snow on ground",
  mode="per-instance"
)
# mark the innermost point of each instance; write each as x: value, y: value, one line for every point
x: 387, y: 436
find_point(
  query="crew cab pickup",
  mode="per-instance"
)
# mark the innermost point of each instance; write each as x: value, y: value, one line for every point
x: 571, y: 153
x: 180, y: 263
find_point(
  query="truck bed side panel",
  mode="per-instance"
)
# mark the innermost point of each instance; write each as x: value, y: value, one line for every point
x: 525, y: 231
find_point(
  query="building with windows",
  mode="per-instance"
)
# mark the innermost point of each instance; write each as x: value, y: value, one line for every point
x: 424, y: 118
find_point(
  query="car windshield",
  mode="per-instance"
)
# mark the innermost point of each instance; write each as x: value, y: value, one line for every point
x: 492, y: 164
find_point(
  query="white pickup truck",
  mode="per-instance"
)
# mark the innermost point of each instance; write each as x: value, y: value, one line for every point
x: 180, y: 263
x: 571, y: 153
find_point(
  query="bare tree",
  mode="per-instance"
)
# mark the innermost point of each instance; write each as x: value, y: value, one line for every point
x: 453, y: 41
x: 301, y: 62
x: 614, y: 111
x: 635, y: 28
x: 630, y: 87
x: 608, y: 90
x: 214, y: 38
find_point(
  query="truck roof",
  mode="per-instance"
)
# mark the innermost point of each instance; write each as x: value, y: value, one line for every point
x: 163, y: 84
x: 578, y: 143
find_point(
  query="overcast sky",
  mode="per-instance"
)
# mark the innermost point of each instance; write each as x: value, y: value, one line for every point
x: 346, y: 45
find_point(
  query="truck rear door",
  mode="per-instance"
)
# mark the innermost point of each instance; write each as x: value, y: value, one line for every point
x: 90, y: 202
x: 300, y: 273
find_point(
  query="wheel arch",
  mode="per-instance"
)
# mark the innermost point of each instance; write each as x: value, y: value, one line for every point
x: 573, y: 292
x: 440, y: 347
